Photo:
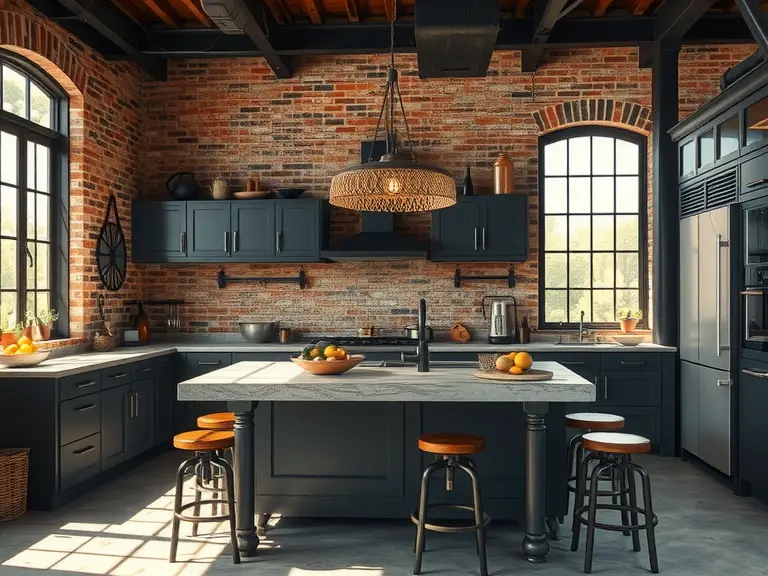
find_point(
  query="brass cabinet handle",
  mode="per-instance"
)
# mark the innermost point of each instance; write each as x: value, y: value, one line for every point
x: 763, y: 375
x: 86, y: 384
x: 756, y: 182
x: 86, y: 407
x: 84, y: 450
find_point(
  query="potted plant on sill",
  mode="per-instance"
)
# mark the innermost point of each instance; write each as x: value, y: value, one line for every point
x: 38, y: 327
x: 628, y: 319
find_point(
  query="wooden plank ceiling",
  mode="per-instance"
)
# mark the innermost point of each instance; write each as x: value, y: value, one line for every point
x: 189, y: 13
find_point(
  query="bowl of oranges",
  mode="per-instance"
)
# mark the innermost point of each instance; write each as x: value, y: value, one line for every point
x: 23, y: 354
x: 514, y: 363
x: 326, y: 359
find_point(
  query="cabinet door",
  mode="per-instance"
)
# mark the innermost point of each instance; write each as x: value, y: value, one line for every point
x: 197, y: 364
x: 504, y: 227
x: 159, y: 231
x: 114, y: 425
x: 297, y: 224
x: 456, y: 232
x: 714, y: 328
x: 715, y: 418
x: 253, y: 230
x: 629, y: 388
x: 141, y: 426
x: 689, y: 407
x: 208, y: 225
x: 165, y: 399
x: 753, y: 424
x: 689, y: 289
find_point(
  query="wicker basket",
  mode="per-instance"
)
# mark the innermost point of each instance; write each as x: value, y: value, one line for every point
x: 14, y: 466
x: 104, y: 342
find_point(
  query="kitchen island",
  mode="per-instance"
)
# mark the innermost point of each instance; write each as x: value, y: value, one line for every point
x: 397, y: 391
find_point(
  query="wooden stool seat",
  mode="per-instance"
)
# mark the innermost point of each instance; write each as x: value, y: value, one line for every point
x: 451, y: 444
x: 594, y: 421
x: 217, y: 421
x: 204, y: 440
x: 616, y: 443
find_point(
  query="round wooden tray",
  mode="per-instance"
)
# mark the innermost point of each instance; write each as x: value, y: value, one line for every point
x: 531, y: 375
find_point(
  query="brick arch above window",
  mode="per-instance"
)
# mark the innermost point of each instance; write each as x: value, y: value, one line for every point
x: 34, y: 38
x: 601, y: 111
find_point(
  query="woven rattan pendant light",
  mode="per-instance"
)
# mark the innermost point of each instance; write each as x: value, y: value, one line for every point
x: 396, y: 183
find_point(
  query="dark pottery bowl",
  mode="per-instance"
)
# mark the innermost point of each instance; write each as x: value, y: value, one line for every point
x: 289, y: 193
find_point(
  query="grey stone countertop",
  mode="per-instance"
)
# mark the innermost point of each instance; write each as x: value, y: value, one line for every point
x: 285, y: 381
x: 58, y: 366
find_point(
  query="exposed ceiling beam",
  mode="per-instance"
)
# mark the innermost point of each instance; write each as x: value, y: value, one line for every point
x: 130, y: 9
x: 673, y: 20
x: 196, y: 12
x: 110, y: 23
x: 373, y: 38
x: 390, y: 7
x: 545, y: 15
x: 351, y: 6
x: 601, y: 7
x: 640, y: 6
x: 522, y: 6
x: 160, y: 13
x: 310, y: 7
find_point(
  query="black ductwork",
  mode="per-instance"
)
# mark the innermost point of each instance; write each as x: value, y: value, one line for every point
x: 757, y: 22
x: 457, y: 38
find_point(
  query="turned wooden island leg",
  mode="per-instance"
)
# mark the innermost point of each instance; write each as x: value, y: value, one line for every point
x: 245, y: 478
x: 535, y: 545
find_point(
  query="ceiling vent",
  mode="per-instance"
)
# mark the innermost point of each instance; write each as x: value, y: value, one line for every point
x: 455, y: 39
x: 231, y: 16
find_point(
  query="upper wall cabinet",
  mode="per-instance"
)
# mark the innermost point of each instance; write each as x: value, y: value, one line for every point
x: 229, y: 231
x: 482, y: 229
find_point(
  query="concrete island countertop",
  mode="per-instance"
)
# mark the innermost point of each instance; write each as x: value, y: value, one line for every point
x: 285, y: 381
x: 66, y: 365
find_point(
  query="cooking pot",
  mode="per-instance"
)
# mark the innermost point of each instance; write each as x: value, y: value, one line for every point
x: 183, y: 186
x: 412, y: 331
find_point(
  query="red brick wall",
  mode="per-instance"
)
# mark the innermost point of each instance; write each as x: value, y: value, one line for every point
x: 106, y: 145
x: 231, y: 117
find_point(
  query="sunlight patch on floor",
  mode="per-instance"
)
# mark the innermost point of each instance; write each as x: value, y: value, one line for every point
x: 351, y: 571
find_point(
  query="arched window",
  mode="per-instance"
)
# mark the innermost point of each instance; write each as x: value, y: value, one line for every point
x: 592, y: 226
x: 33, y: 184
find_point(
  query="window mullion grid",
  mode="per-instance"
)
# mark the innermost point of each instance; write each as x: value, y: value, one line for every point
x: 21, y: 230
x: 568, y: 231
x: 591, y: 236
x: 615, y: 224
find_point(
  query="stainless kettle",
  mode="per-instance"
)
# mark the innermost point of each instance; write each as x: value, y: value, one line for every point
x: 183, y: 186
x: 502, y: 328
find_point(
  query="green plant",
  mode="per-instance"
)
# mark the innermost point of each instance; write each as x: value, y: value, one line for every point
x: 629, y: 314
x: 47, y: 317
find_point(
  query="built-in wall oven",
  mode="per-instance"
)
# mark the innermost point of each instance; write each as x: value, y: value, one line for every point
x: 755, y: 292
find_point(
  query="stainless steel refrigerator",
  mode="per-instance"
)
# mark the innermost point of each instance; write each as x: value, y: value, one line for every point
x: 705, y: 308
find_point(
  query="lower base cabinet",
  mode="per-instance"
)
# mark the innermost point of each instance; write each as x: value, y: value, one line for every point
x: 114, y: 426
x: 197, y: 364
x: 80, y: 461
x: 753, y: 428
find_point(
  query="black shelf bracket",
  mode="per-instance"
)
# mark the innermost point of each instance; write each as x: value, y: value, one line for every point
x: 222, y: 279
x: 458, y: 278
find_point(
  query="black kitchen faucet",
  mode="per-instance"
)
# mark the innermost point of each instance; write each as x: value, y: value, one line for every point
x: 422, y: 349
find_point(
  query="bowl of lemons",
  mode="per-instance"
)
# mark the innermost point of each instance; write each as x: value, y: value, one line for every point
x: 326, y: 359
x: 23, y: 354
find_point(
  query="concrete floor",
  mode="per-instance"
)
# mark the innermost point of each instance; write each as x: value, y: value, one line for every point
x: 124, y: 528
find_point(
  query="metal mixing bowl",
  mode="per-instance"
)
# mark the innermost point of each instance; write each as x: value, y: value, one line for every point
x: 259, y: 331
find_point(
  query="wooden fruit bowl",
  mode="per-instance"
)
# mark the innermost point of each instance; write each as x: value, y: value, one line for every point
x: 23, y: 360
x: 326, y: 368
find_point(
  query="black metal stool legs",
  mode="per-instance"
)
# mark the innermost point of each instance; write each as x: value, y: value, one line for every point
x: 650, y: 517
x: 592, y: 515
x: 479, y: 519
x: 423, y: 499
x: 177, y: 505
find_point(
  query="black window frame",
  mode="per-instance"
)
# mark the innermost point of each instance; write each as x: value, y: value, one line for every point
x: 57, y: 139
x: 608, y: 132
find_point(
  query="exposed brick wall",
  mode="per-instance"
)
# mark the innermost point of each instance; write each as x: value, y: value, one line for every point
x: 105, y: 147
x: 231, y: 117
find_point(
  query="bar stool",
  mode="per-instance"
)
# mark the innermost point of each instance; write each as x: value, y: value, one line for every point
x: 217, y: 421
x: 206, y: 444
x: 613, y: 450
x: 586, y: 422
x: 451, y: 451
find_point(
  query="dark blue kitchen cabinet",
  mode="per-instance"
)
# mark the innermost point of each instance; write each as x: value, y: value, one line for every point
x: 141, y: 424
x: 196, y: 364
x: 491, y: 228
x: 165, y: 401
x: 115, y: 411
x: 208, y: 224
x: 753, y: 428
x: 253, y: 230
x: 297, y: 226
x: 159, y: 232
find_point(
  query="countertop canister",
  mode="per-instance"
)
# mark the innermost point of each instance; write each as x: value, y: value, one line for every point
x: 503, y: 175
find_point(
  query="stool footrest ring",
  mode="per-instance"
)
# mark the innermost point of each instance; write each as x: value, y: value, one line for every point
x: 582, y: 510
x: 198, y: 519
x: 446, y: 528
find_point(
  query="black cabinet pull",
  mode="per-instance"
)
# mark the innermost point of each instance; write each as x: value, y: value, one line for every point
x: 84, y: 450
x: 763, y: 375
x: 605, y: 387
x: 573, y: 363
x: 211, y: 363
x: 86, y: 384
x: 136, y: 394
x: 146, y: 370
x: 121, y: 375
x: 756, y: 182
x: 84, y: 408
x: 633, y: 363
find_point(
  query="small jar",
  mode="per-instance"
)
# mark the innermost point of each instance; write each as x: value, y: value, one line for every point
x: 503, y: 175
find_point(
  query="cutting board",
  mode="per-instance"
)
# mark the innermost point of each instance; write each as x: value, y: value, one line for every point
x: 532, y: 375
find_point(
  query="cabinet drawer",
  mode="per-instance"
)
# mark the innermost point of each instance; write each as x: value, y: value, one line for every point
x: 631, y: 361
x: 629, y: 388
x: 585, y: 364
x: 754, y: 175
x: 111, y: 377
x: 79, y: 418
x: 79, y: 385
x: 80, y: 460
x: 143, y: 369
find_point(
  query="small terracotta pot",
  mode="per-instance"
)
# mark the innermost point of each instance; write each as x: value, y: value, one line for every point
x: 628, y: 325
x: 28, y: 332
x: 7, y: 338
x: 41, y: 332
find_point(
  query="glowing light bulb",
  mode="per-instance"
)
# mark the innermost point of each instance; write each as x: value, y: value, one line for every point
x: 393, y: 186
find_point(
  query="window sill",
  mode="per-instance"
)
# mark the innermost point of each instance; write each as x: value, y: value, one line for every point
x: 57, y: 343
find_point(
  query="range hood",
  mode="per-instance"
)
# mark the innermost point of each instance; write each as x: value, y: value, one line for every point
x: 376, y: 241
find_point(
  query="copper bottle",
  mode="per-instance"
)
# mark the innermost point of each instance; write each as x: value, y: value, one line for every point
x: 503, y: 176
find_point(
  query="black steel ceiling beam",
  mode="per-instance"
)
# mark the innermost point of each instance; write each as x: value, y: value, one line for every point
x: 298, y: 40
x: 671, y: 24
x: 110, y: 24
x: 545, y: 15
